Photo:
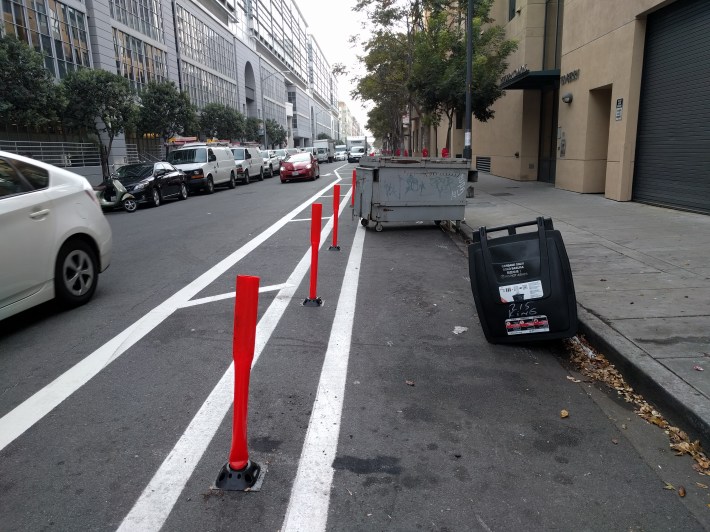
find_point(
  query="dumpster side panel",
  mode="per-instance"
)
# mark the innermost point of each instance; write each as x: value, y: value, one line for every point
x: 364, y: 181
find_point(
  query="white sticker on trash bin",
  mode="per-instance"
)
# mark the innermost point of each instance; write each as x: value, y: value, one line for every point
x: 520, y: 292
x: 529, y: 325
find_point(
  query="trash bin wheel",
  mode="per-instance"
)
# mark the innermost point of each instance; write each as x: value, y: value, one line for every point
x: 364, y: 222
x: 378, y: 227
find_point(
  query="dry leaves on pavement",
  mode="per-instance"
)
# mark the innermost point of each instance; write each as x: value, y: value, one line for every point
x: 592, y: 364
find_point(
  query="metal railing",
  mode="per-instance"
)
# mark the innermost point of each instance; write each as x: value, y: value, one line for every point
x: 64, y: 154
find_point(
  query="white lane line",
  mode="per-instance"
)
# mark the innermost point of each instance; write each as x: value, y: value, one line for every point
x: 301, y: 220
x: 22, y: 417
x: 228, y: 295
x: 310, y: 494
x: 158, y: 498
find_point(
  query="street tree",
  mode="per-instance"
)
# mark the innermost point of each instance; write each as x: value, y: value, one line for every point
x: 252, y: 129
x: 102, y: 103
x: 28, y: 95
x: 276, y: 133
x: 165, y: 111
x: 221, y: 121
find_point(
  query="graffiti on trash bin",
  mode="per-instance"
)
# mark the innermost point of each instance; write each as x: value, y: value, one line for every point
x: 430, y: 184
x: 521, y: 310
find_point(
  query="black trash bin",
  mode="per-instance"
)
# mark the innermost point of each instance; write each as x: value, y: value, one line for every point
x: 522, y: 284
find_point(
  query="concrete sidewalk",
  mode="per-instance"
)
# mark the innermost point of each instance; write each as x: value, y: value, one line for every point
x: 642, y: 280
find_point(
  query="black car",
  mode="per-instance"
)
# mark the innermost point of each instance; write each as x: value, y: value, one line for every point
x: 153, y: 182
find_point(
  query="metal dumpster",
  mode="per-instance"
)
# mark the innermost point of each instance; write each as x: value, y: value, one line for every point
x: 411, y: 189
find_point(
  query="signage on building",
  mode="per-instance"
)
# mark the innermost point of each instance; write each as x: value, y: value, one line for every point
x: 569, y: 77
x: 515, y: 73
x: 619, y: 108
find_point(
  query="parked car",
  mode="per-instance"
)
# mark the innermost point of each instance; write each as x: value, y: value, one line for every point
x: 271, y: 162
x: 55, y: 238
x: 249, y: 163
x: 300, y: 166
x: 356, y: 152
x: 205, y: 166
x: 341, y: 156
x: 153, y: 182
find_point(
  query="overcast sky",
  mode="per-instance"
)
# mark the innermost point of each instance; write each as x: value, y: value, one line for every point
x: 332, y: 22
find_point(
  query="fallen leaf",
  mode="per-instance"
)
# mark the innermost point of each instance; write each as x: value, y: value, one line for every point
x: 570, y: 378
x: 681, y: 491
x: 701, y: 485
x: 668, y: 486
x: 564, y: 414
x: 409, y: 383
x: 698, y: 368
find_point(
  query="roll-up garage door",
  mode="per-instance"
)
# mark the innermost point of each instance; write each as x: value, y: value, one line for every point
x: 673, y: 143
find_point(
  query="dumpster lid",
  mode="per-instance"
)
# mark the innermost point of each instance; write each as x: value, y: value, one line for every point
x: 415, y: 162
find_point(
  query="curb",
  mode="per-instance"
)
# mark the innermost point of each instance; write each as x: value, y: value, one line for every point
x: 680, y: 403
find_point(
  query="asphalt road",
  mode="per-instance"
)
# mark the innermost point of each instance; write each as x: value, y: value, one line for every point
x: 385, y: 408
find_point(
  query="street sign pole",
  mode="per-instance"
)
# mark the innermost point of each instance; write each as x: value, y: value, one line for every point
x: 467, y: 154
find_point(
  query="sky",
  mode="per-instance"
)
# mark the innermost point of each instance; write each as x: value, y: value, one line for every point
x: 332, y: 22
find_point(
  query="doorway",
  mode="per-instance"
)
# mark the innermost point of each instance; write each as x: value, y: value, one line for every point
x: 597, y: 149
x: 547, y: 156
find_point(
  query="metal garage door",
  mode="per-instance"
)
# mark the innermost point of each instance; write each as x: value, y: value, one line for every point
x: 673, y: 144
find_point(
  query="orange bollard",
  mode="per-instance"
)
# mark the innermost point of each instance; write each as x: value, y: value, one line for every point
x: 316, y: 215
x: 336, y: 205
x: 352, y: 197
x: 239, y: 473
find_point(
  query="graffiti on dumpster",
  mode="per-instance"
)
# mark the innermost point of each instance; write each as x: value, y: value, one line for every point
x: 434, y: 185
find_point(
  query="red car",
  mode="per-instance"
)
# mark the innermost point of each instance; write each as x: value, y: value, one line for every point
x: 299, y: 166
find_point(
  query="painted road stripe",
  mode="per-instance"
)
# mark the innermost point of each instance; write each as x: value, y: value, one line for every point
x: 310, y: 494
x: 25, y: 415
x: 228, y: 295
x: 158, y: 498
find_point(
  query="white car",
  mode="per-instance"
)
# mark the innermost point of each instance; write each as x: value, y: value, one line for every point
x: 55, y: 239
x: 341, y: 156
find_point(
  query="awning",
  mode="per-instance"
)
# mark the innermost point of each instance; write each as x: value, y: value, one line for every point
x: 539, y: 79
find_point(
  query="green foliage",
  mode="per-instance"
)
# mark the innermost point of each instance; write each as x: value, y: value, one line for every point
x: 28, y: 95
x: 323, y: 136
x: 100, y: 102
x: 276, y: 133
x: 221, y: 121
x: 251, y: 129
x: 166, y: 111
x: 417, y: 55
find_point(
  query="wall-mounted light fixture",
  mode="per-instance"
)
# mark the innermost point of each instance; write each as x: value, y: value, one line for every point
x: 567, y: 98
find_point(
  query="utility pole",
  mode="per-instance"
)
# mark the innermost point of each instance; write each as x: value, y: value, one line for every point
x: 467, y: 153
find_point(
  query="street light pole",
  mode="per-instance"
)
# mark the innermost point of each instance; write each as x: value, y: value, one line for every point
x: 467, y: 153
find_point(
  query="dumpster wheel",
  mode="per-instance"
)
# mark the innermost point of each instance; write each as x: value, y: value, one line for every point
x: 378, y: 227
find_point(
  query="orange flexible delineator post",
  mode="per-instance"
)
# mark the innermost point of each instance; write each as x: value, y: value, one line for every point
x: 316, y: 216
x: 239, y: 473
x: 336, y: 206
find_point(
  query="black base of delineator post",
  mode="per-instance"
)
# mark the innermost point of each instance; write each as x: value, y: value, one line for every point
x: 317, y: 302
x: 333, y: 248
x: 229, y: 479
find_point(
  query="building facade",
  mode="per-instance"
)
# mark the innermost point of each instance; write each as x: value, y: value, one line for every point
x: 256, y: 56
x: 604, y: 97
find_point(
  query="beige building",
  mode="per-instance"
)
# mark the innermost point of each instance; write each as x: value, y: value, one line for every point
x: 604, y: 96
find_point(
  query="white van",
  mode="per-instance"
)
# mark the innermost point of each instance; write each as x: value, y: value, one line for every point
x: 249, y: 163
x: 205, y: 166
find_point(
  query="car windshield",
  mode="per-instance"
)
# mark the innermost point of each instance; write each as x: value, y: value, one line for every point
x: 196, y: 155
x: 238, y: 154
x: 299, y: 157
x: 322, y: 150
x: 280, y: 153
x: 357, y: 149
x: 134, y: 172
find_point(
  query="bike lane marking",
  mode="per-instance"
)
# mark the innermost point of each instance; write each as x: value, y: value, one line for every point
x: 310, y: 493
x: 157, y: 500
x: 26, y: 414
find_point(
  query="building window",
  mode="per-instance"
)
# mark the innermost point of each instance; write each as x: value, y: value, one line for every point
x: 205, y: 87
x: 137, y: 61
x: 144, y: 16
x: 199, y: 42
x: 511, y: 9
